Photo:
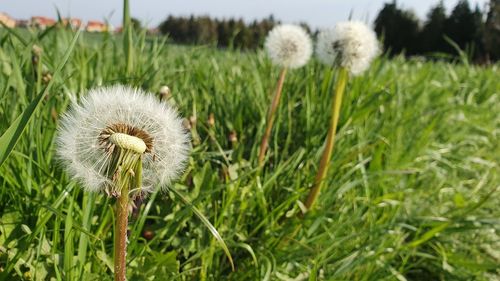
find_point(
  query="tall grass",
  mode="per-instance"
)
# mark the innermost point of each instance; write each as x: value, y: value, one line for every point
x: 410, y: 195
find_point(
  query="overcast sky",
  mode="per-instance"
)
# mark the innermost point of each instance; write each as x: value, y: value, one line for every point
x: 317, y: 13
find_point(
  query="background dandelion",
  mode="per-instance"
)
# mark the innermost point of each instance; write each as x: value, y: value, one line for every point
x: 288, y: 46
x: 352, y: 45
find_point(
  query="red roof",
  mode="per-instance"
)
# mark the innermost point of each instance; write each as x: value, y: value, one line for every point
x: 95, y: 23
x: 43, y: 20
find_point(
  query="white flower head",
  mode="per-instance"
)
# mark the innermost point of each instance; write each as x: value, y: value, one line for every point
x: 350, y: 44
x: 131, y: 119
x: 288, y: 46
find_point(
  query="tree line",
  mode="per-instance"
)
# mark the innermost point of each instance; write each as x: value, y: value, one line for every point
x: 465, y: 28
x: 225, y: 33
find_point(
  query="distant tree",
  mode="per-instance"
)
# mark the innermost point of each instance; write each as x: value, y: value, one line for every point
x: 223, y: 33
x: 175, y: 28
x: 492, y: 30
x: 205, y: 30
x: 136, y: 24
x: 264, y: 26
x: 432, y: 34
x: 192, y: 32
x: 465, y: 27
x: 306, y: 27
x: 398, y: 28
x: 255, y: 35
x: 242, y: 35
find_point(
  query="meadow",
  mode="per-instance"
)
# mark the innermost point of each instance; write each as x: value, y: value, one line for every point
x: 412, y: 192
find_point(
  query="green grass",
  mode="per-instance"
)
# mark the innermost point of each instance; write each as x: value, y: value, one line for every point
x: 411, y: 193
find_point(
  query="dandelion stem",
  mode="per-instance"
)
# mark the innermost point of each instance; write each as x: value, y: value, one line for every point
x: 330, y: 139
x: 121, y: 234
x: 129, y: 176
x: 270, y: 117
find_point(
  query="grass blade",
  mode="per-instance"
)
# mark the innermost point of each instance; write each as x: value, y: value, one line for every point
x: 206, y: 222
x: 10, y: 137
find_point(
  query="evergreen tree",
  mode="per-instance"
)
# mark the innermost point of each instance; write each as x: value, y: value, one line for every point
x: 136, y: 24
x: 465, y: 28
x: 432, y: 35
x: 492, y: 30
x: 398, y: 28
x: 223, y: 33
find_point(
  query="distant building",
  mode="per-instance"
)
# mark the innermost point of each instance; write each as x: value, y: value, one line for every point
x: 97, y: 26
x: 74, y: 23
x: 7, y: 20
x: 22, y: 23
x: 42, y: 22
x: 153, y: 31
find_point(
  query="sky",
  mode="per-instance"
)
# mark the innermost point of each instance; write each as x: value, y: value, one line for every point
x: 317, y: 13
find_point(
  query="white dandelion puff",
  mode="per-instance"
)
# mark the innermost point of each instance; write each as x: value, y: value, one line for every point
x: 288, y: 46
x: 125, y: 117
x: 352, y: 45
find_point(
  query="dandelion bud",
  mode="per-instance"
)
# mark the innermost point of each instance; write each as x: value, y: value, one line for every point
x: 53, y: 114
x: 46, y: 77
x: 165, y: 93
x: 352, y: 45
x: 36, y: 51
x: 223, y: 173
x: 233, y: 137
x: 288, y: 46
x: 148, y: 234
x: 192, y: 121
x: 211, y: 120
x: 186, y: 124
x: 194, y: 133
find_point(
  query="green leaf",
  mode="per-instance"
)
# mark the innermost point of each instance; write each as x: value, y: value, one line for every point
x: 206, y: 222
x: 10, y: 137
x: 167, y: 262
x: 107, y: 260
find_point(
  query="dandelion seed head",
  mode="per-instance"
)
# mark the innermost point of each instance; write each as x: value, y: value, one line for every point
x: 131, y: 119
x: 288, y: 46
x: 350, y: 44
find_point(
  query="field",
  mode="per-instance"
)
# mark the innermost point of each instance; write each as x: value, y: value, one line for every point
x: 411, y: 193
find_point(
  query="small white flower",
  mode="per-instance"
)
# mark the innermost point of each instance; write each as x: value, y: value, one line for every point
x: 351, y: 44
x: 288, y: 46
x: 129, y: 118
